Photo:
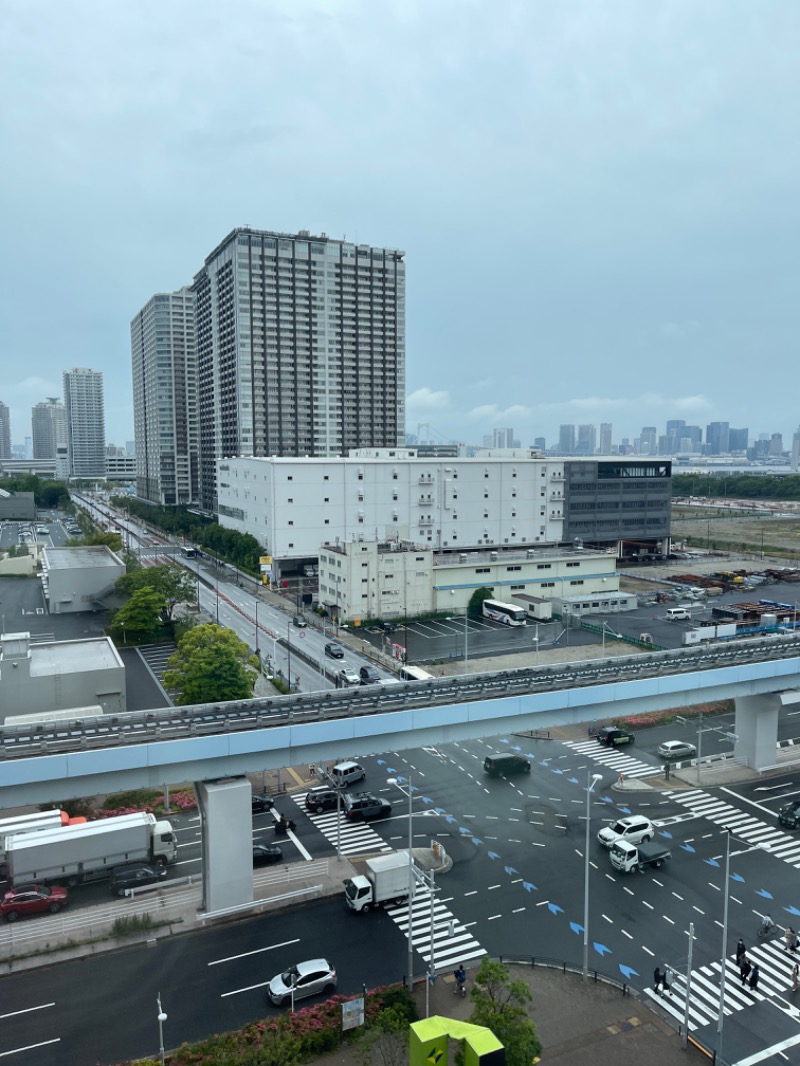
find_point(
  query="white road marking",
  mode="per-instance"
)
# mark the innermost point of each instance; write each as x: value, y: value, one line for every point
x: 30, y: 1047
x: 26, y: 1010
x: 257, y: 951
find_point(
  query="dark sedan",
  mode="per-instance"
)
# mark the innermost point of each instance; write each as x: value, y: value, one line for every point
x: 266, y: 854
x: 261, y: 803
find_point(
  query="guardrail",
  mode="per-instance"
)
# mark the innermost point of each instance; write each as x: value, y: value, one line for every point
x: 550, y: 963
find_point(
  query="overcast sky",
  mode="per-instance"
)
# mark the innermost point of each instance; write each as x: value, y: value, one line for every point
x: 597, y: 199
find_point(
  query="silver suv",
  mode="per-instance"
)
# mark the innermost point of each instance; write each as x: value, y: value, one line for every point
x: 635, y: 829
x: 307, y: 979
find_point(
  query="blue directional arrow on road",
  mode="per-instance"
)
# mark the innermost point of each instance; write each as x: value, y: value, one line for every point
x: 476, y: 841
x: 381, y: 762
x: 688, y: 847
x: 711, y: 862
x: 492, y: 855
x: 391, y: 770
x: 528, y: 755
x: 465, y: 831
x: 737, y: 877
x: 438, y: 810
x: 554, y: 908
x: 628, y: 972
x: 606, y: 799
x: 529, y: 886
x: 573, y: 780
x: 504, y: 740
x: 426, y: 799
x: 576, y: 927
x: 665, y: 834
x: 625, y: 810
x: 763, y: 892
x: 510, y: 870
x: 450, y: 818
x: 601, y: 949
x: 516, y: 747
x: 791, y: 910
x: 555, y: 770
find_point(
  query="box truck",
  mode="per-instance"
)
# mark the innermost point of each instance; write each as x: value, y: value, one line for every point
x: 29, y: 823
x: 385, y: 880
x: 76, y: 853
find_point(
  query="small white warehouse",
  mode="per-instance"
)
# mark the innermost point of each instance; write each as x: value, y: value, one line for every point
x: 76, y: 579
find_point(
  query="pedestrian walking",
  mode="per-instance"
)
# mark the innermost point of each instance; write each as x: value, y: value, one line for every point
x: 744, y: 969
x: 790, y: 939
x: 740, y: 951
x: 754, y: 975
x: 665, y: 982
x: 658, y: 978
x: 795, y: 977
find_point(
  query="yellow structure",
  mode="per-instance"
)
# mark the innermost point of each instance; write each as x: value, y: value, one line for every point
x: 429, y: 1042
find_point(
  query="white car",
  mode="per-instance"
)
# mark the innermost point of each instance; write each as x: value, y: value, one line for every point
x: 307, y: 979
x: 635, y: 829
x: 677, y: 749
x: 346, y: 676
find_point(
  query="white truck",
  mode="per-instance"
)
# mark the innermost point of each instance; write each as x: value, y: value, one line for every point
x: 28, y: 823
x: 384, y: 881
x: 76, y: 853
x: 628, y: 858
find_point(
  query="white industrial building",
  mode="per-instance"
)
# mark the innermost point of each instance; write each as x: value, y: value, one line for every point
x: 59, y: 675
x: 76, y: 579
x: 505, y: 501
x: 360, y: 580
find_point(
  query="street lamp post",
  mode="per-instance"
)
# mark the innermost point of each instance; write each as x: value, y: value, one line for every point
x: 161, y: 1019
x: 590, y: 783
x: 289, y: 647
x: 410, y: 794
x: 466, y: 639
x: 257, y: 651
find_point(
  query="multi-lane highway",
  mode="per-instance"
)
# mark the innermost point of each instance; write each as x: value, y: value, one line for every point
x: 516, y: 887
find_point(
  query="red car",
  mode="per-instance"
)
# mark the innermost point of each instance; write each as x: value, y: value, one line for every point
x: 32, y: 899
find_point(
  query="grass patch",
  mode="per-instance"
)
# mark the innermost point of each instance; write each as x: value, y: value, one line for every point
x: 133, y: 923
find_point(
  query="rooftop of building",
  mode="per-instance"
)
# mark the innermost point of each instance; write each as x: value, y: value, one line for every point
x: 301, y: 235
x: 474, y: 555
x: 80, y: 557
x: 51, y: 658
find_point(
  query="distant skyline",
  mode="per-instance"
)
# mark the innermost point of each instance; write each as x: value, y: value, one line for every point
x: 597, y: 201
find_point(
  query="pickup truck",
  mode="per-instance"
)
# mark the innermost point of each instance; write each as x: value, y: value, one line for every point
x: 627, y: 857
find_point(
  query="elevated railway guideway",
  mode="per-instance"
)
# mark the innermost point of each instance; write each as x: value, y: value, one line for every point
x: 52, y: 761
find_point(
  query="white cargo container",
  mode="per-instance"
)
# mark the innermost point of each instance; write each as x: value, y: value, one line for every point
x: 76, y: 853
x: 28, y: 823
x: 385, y: 881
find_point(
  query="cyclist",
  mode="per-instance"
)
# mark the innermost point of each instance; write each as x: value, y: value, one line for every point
x: 461, y: 980
x: 766, y: 925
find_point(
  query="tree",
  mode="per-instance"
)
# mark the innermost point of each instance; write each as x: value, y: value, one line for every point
x: 385, y: 1043
x: 501, y: 1005
x: 211, y: 665
x: 173, y: 583
x: 476, y: 601
x: 140, y: 619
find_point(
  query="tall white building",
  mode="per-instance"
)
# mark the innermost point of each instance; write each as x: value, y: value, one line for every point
x: 49, y: 426
x: 164, y: 368
x: 5, y: 432
x: 85, y: 419
x: 300, y: 348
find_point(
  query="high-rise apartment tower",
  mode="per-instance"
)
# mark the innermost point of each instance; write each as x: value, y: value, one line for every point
x: 5, y: 432
x: 86, y: 432
x: 49, y: 426
x: 164, y: 370
x: 300, y: 348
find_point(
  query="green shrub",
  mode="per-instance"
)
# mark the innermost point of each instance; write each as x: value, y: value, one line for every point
x: 136, y: 797
x: 132, y: 923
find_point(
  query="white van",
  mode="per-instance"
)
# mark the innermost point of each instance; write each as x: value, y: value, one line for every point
x: 676, y: 614
x: 347, y: 773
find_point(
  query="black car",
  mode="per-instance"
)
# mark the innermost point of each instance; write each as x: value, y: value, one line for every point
x: 789, y: 815
x: 506, y: 762
x: 368, y: 675
x: 364, y: 807
x: 334, y: 651
x: 613, y: 737
x: 266, y: 854
x: 260, y: 803
x: 321, y: 799
x: 135, y: 875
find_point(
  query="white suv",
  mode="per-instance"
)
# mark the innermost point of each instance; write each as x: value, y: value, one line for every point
x: 635, y: 829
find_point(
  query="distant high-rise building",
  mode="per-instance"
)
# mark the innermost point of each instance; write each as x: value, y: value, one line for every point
x: 587, y: 440
x: 738, y: 440
x: 49, y: 426
x: 566, y: 440
x: 130, y: 447
x: 648, y: 441
x: 796, y: 450
x: 776, y: 444
x: 164, y: 366
x: 300, y: 348
x: 504, y: 438
x: 85, y: 422
x: 605, y: 438
x: 717, y: 438
x: 540, y: 444
x: 5, y: 432
x: 674, y: 433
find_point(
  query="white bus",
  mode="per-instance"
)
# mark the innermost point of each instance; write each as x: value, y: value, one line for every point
x: 507, y: 613
x: 414, y: 673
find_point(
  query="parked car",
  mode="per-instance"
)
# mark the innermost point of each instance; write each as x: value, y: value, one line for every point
x: 368, y: 675
x: 23, y: 900
x: 260, y: 803
x: 506, y: 762
x: 613, y: 737
x: 307, y: 979
x: 299, y: 621
x: 135, y: 875
x: 365, y: 807
x: 676, y: 749
x: 266, y: 854
x: 789, y: 815
x: 321, y: 798
x: 334, y: 651
x: 634, y: 829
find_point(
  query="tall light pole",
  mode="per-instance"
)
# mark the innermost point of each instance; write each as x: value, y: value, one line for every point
x: 289, y: 646
x: 590, y: 783
x: 257, y: 651
x: 721, y: 1018
x: 161, y: 1019
x: 409, y: 792
x: 466, y: 639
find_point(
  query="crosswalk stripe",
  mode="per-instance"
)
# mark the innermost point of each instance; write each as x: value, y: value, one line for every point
x: 460, y: 947
x: 612, y: 758
x: 356, y: 837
